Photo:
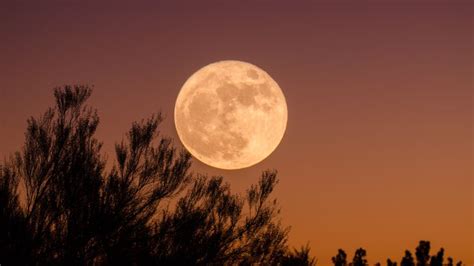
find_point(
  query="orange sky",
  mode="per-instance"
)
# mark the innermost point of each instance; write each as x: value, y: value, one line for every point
x: 378, y: 148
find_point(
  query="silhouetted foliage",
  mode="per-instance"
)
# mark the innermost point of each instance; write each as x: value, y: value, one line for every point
x: 340, y: 259
x: 13, y: 234
x: 407, y: 260
x: 391, y: 263
x: 450, y: 261
x: 59, y: 205
x: 299, y: 257
x: 438, y: 259
x: 423, y: 253
x: 359, y: 258
x: 423, y: 256
x: 148, y: 209
x: 211, y: 218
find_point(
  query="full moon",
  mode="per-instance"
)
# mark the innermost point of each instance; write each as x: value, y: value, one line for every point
x: 230, y: 114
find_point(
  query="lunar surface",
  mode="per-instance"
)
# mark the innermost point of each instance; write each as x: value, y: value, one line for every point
x: 230, y: 114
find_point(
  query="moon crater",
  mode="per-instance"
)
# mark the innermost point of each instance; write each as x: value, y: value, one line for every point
x: 230, y: 114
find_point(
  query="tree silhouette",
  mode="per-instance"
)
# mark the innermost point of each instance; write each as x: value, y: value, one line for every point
x: 450, y: 261
x: 359, y: 258
x: 299, y: 257
x: 211, y: 218
x: 438, y: 259
x: 60, y: 205
x: 340, y: 259
x: 407, y: 260
x: 13, y: 234
x: 391, y: 263
x: 423, y: 253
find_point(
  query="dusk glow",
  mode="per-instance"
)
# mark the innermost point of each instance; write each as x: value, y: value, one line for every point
x: 377, y: 149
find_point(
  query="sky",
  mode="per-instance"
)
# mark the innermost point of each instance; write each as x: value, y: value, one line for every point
x: 379, y: 141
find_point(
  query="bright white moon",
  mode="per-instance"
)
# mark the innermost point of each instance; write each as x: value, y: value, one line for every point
x: 230, y: 114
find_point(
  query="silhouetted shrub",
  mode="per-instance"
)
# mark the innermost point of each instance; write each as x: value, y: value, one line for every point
x: 359, y: 258
x: 422, y: 251
x: 407, y: 260
x: 299, y: 257
x: 148, y: 209
x: 391, y: 263
x: 438, y: 259
x: 340, y: 259
x: 59, y: 205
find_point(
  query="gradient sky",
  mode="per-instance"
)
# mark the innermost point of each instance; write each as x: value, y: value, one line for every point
x: 378, y: 147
